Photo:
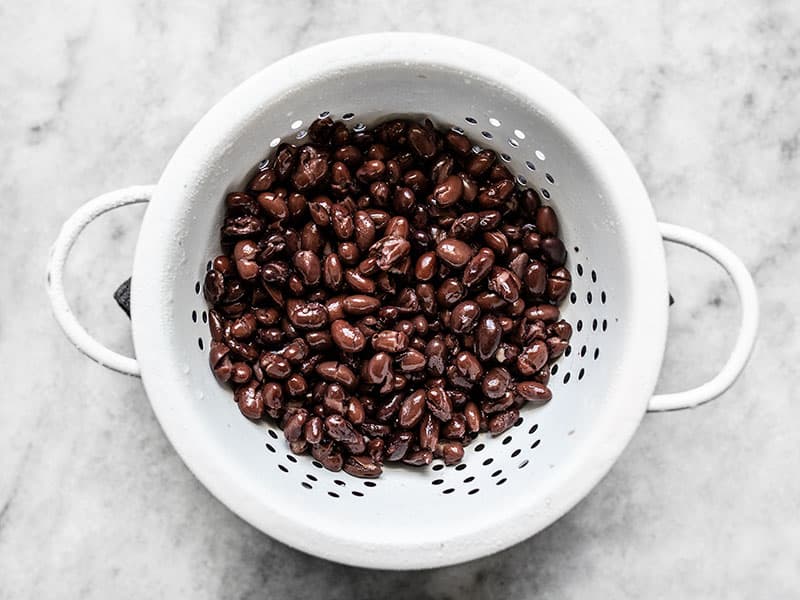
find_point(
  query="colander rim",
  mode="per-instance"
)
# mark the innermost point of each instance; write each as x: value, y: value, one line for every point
x: 152, y: 291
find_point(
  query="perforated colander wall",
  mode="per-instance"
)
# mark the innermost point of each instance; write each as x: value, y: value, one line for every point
x: 489, y: 462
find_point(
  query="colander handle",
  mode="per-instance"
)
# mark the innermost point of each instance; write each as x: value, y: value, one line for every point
x: 69, y: 233
x: 748, y: 298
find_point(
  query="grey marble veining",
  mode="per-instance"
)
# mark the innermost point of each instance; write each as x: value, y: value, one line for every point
x: 94, y: 503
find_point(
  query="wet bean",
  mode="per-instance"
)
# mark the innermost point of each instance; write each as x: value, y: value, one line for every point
x: 386, y: 294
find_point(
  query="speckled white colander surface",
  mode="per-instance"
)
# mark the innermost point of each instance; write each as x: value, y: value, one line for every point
x: 508, y: 487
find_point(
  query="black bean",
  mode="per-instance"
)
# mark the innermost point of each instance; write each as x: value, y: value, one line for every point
x: 534, y: 392
x: 397, y: 445
x: 362, y: 466
x: 250, y: 400
x: 390, y: 341
x: 428, y: 432
x: 558, y: 284
x: 364, y: 228
x: 449, y: 191
x: 503, y: 421
x: 546, y: 221
x: 554, y: 251
x: 479, y: 266
x: 532, y: 358
x: 450, y: 451
x: 454, y: 252
x: 347, y: 337
x: 402, y: 237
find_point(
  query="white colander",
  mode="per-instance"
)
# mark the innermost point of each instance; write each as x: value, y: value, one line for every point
x: 508, y: 487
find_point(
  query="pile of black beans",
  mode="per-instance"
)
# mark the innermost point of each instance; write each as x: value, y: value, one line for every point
x: 386, y: 294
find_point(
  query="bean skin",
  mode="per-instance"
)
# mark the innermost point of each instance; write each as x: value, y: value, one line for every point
x: 397, y: 226
x: 419, y: 458
x: 456, y: 428
x: 464, y: 316
x: 472, y: 416
x: 519, y: 264
x: 536, y: 278
x: 458, y: 143
x: 378, y: 368
x: 337, y: 372
x: 335, y: 308
x: 562, y: 329
x: 375, y: 429
x: 371, y: 170
x: 214, y: 286
x: 275, y: 366
x: 439, y: 403
x: 250, y: 400
x: 411, y: 361
x: 497, y: 242
x: 390, y: 341
x: 421, y: 141
x: 328, y: 456
x: 347, y: 337
x: 362, y: 466
x: 348, y: 253
x: 480, y: 163
x: 308, y: 265
x: 468, y: 366
x: 244, y: 327
x: 532, y: 242
x: 312, y: 430
x: 479, y: 266
x: 364, y: 230
x: 360, y: 304
x: 349, y: 155
x: 412, y: 409
x: 389, y: 250
x: 386, y: 410
x: 375, y: 449
x: 496, y: 382
x: 450, y: 292
x: 359, y: 282
x: 554, y: 251
x: 355, y: 411
x: 340, y: 429
x: 398, y: 444
x: 319, y: 341
x: 451, y: 452
x: 504, y: 283
x: 503, y: 421
x: 272, y: 395
x: 435, y: 351
x: 404, y: 200
x: 239, y: 372
x: 556, y: 346
x: 543, y: 312
x: 534, y: 392
x: 428, y: 432
x: 454, y: 252
x: 546, y: 221
x: 558, y: 284
x: 488, y: 337
x: 293, y: 426
x: 465, y: 226
x: 532, y: 358
x: 311, y: 315
x: 274, y: 205
x: 263, y: 180
x: 449, y: 191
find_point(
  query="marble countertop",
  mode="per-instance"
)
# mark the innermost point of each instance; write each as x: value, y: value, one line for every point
x: 94, y: 503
